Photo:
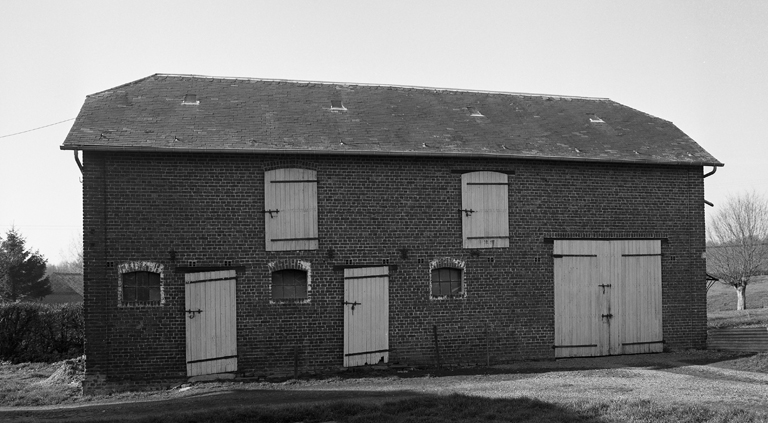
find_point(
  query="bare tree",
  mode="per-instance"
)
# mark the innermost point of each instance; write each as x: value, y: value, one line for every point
x: 72, y: 258
x: 737, y: 243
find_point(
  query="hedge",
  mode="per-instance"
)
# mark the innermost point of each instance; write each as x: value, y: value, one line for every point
x: 40, y: 332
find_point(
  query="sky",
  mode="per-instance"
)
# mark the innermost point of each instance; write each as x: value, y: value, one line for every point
x: 702, y: 64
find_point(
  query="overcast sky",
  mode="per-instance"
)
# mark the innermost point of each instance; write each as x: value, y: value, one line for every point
x: 700, y: 64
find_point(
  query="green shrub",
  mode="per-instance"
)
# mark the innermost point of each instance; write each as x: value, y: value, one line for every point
x: 40, y: 332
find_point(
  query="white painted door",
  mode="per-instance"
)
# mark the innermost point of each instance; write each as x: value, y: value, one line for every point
x: 640, y: 264
x: 578, y: 306
x: 366, y: 316
x: 607, y: 297
x: 211, y: 322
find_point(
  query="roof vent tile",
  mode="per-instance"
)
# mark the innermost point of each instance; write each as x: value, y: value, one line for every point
x: 191, y: 99
x: 474, y: 112
x: 593, y: 118
x: 336, y: 105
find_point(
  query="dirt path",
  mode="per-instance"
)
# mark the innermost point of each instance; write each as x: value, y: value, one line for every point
x: 683, y: 378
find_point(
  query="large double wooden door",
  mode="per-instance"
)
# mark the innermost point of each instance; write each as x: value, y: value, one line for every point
x: 211, y: 322
x: 607, y: 297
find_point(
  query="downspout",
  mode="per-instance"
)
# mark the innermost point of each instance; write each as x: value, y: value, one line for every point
x: 77, y: 160
x: 714, y: 169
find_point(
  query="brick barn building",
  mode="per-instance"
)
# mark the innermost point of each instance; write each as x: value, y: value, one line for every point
x: 239, y: 226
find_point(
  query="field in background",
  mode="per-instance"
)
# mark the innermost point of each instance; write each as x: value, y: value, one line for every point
x: 721, y: 305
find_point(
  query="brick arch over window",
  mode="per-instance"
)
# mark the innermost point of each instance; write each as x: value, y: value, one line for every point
x: 292, y: 264
x: 450, y: 265
x: 140, y: 266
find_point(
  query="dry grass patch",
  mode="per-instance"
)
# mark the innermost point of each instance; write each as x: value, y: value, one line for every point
x: 30, y: 384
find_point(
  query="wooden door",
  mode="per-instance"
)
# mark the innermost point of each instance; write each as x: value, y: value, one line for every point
x: 607, y: 297
x: 578, y: 325
x: 211, y: 322
x: 366, y: 316
x: 641, y: 324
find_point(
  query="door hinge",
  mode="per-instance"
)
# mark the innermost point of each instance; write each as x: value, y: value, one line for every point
x: 270, y: 212
x: 353, y: 304
x: 192, y: 312
x: 603, y: 285
x: 467, y: 212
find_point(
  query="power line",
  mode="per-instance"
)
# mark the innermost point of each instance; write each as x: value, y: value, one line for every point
x: 35, y: 129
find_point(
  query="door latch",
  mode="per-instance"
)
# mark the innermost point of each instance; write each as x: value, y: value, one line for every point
x: 191, y: 313
x: 353, y: 304
x: 609, y: 315
x: 604, y: 286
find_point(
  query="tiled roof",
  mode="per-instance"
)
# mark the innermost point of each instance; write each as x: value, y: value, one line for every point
x: 62, y: 283
x: 273, y: 116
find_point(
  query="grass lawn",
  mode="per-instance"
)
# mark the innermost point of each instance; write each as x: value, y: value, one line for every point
x: 463, y: 408
x: 721, y: 305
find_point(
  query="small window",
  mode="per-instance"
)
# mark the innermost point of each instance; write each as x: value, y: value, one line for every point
x: 289, y: 284
x: 446, y: 282
x: 141, y: 287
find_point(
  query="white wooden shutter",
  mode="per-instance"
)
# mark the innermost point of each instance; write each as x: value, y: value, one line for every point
x: 484, y: 210
x: 290, y: 209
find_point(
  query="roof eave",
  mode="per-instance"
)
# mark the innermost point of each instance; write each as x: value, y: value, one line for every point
x: 379, y: 153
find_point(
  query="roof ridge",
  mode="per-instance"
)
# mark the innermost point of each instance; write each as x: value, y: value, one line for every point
x: 358, y: 84
x: 121, y: 85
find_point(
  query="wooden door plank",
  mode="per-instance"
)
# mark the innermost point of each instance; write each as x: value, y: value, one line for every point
x: 188, y: 325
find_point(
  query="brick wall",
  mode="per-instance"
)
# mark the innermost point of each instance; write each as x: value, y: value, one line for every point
x: 207, y: 208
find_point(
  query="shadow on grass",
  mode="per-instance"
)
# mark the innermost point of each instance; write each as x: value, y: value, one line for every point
x: 319, y: 406
x: 654, y: 361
